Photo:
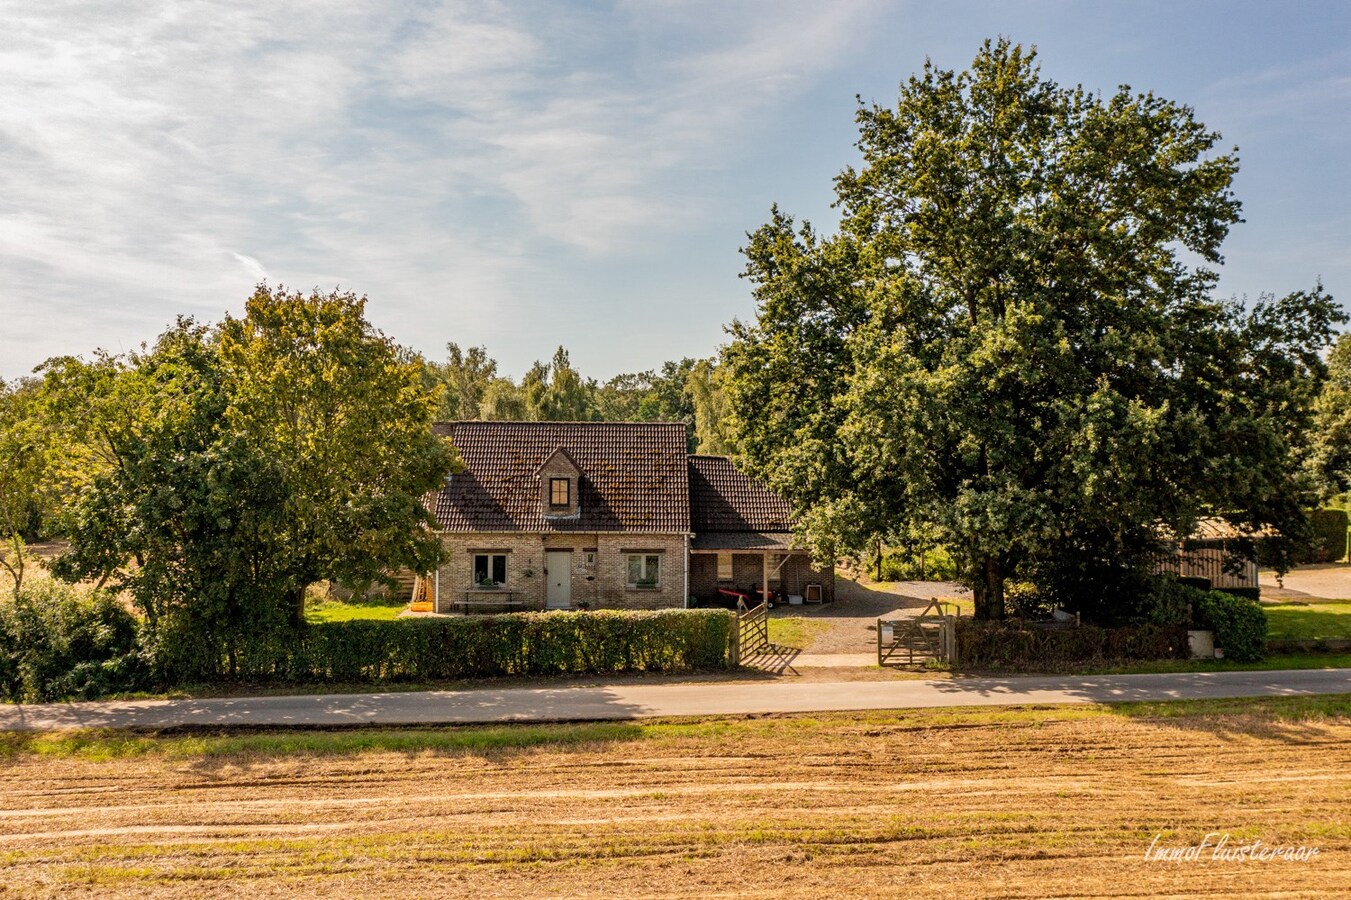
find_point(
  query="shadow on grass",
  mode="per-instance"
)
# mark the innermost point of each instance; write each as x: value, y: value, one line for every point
x: 1306, y: 721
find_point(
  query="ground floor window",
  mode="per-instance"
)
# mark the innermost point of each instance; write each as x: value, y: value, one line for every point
x: 724, y: 567
x: 644, y: 570
x: 490, y: 568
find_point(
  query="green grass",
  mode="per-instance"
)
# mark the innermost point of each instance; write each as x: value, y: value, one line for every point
x: 796, y: 632
x: 337, y: 611
x: 1313, y: 620
x: 499, y: 739
x: 1159, y: 666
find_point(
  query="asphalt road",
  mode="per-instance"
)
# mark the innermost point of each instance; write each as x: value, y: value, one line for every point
x: 489, y: 705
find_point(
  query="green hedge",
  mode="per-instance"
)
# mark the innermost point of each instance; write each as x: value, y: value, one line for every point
x: 999, y: 645
x: 59, y: 644
x: 1239, y: 624
x: 551, y: 643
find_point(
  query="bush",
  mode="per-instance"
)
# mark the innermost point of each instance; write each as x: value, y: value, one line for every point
x: 1006, y: 646
x: 59, y: 644
x: 552, y: 643
x: 904, y: 565
x: 1239, y: 624
x: 1328, y: 538
x: 1023, y: 600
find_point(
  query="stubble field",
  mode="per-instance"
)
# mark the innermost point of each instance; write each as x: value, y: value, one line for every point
x: 1011, y: 802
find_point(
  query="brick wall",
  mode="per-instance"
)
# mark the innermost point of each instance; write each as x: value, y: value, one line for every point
x: 602, y: 585
x: 747, y: 569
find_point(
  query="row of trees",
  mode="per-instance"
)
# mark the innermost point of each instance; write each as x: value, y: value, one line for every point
x: 689, y: 390
x: 1016, y: 346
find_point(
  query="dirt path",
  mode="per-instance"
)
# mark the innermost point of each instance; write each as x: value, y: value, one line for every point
x: 1032, y: 804
x: 853, y: 616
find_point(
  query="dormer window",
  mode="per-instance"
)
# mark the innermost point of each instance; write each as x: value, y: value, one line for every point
x: 560, y: 492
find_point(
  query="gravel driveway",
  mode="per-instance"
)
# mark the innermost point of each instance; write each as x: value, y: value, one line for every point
x: 1325, y: 581
x: 854, y: 614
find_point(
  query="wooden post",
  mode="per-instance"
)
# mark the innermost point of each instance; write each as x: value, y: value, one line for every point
x: 735, y: 648
x: 764, y: 584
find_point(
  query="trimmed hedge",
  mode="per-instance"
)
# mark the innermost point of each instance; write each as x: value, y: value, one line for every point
x: 1239, y: 624
x: 548, y: 643
x: 999, y: 645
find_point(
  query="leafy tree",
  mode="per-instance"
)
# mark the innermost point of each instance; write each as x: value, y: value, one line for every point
x: 246, y: 462
x: 314, y: 388
x: 706, y: 386
x: 26, y: 476
x: 1008, y: 343
x: 555, y: 391
x: 1331, y: 461
x: 464, y: 378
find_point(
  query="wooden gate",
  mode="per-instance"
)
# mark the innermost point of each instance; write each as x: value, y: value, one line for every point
x: 930, y: 635
x: 752, y: 625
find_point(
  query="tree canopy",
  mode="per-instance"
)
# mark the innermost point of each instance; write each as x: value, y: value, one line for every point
x: 1013, y: 341
x: 238, y: 464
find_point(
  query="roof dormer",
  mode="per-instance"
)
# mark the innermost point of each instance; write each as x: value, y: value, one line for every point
x: 560, y: 486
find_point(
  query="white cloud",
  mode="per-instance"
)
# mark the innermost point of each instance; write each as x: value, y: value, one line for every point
x: 445, y: 159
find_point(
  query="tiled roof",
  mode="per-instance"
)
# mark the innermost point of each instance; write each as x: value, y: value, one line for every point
x: 742, y: 540
x: 634, y: 476
x: 723, y: 498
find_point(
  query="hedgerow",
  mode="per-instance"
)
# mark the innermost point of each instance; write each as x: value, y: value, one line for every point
x: 1010, y: 645
x: 1239, y: 624
x: 550, y: 643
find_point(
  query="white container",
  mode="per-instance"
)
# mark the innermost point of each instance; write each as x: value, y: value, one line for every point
x: 794, y: 599
x: 1201, y: 644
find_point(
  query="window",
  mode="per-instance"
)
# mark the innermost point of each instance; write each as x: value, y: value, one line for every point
x: 724, y: 567
x: 559, y: 493
x: 644, y: 570
x: 490, y: 567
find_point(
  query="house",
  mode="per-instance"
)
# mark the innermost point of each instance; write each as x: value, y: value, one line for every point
x: 565, y: 515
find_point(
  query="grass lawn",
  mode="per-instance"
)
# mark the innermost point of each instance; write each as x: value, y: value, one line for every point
x: 1299, y: 620
x: 337, y: 611
x: 1019, y: 802
x: 795, y: 632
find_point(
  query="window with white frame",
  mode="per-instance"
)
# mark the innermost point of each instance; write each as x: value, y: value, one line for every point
x: 724, y: 567
x: 490, y: 568
x: 644, y: 570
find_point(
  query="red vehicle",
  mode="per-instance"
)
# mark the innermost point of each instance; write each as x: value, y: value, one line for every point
x: 728, y: 598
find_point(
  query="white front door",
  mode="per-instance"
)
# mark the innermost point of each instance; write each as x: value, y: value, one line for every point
x: 558, y: 575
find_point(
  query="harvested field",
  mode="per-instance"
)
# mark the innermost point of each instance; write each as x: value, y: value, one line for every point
x: 976, y: 802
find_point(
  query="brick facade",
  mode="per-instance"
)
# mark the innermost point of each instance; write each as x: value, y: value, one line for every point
x: 603, y: 585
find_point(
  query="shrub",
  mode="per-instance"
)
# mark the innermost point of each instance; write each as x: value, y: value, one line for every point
x: 1023, y: 600
x: 1328, y: 535
x: 552, y: 643
x: 1239, y: 624
x: 999, y: 645
x: 904, y: 565
x: 60, y: 644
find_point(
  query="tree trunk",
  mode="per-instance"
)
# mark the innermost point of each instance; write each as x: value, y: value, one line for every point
x: 989, y: 589
x: 297, y: 599
x: 877, y: 560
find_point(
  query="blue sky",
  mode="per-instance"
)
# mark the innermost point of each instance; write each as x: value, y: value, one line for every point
x: 524, y: 175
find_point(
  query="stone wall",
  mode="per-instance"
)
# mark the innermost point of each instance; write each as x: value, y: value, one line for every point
x: 599, y: 585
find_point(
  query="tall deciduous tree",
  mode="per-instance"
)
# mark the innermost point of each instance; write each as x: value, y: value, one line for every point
x: 1013, y: 340
x: 27, y: 475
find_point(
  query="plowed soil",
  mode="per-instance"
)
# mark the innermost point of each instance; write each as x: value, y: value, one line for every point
x: 1009, y: 803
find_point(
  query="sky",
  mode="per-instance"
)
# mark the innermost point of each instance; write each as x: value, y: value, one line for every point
x: 524, y: 175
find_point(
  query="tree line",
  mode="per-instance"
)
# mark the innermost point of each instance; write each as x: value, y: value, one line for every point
x: 692, y: 391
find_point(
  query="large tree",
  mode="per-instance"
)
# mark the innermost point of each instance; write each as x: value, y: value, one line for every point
x: 235, y: 466
x: 1012, y: 338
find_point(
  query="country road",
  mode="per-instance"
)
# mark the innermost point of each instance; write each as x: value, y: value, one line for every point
x: 629, y: 701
